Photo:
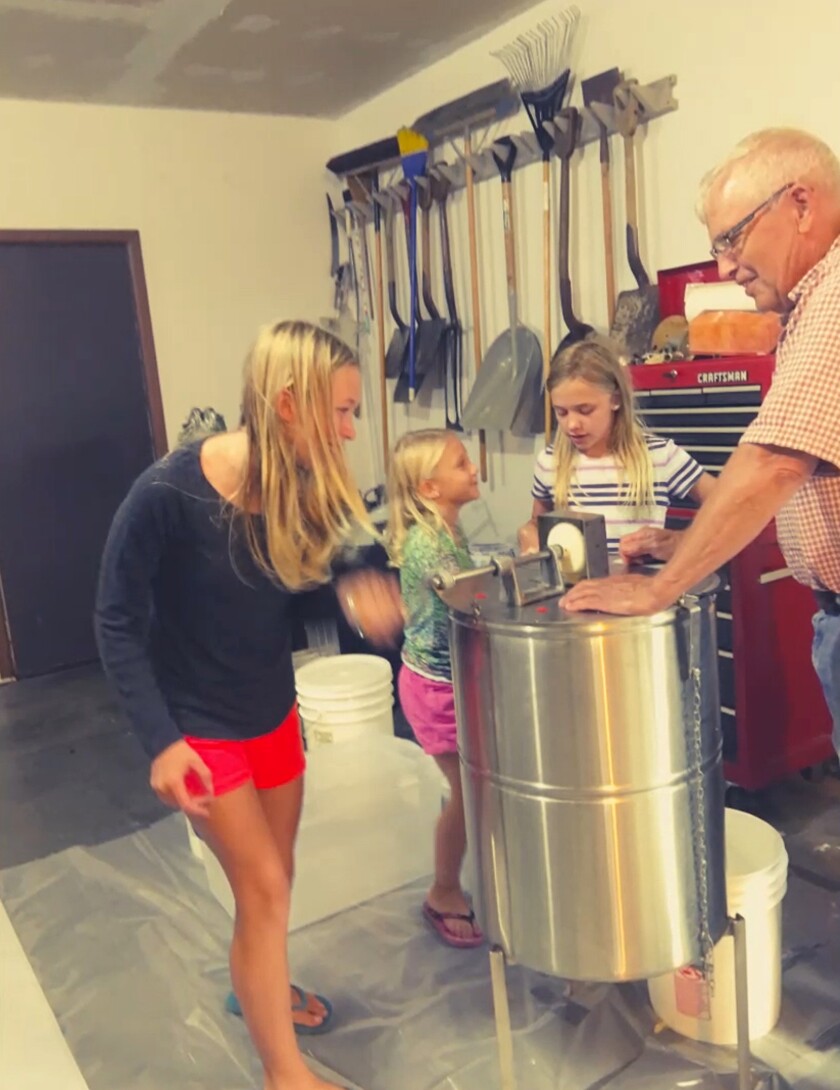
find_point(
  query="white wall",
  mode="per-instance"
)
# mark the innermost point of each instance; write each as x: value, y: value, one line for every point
x: 230, y: 210
x: 740, y: 67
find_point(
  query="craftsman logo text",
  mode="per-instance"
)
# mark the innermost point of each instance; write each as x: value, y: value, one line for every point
x: 708, y: 378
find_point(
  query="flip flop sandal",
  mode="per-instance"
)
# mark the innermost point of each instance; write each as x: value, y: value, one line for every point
x: 232, y: 1007
x: 438, y: 921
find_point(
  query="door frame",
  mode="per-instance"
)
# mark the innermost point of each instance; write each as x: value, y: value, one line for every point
x: 154, y: 402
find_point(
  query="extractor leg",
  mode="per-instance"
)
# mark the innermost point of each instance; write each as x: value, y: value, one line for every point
x: 742, y: 1012
x: 504, y: 1035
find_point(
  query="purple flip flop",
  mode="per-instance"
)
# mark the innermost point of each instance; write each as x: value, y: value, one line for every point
x: 438, y: 921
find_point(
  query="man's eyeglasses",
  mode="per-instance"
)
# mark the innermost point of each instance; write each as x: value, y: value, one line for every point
x: 724, y: 242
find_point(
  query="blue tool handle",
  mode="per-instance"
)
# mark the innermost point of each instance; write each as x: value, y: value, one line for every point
x: 412, y: 257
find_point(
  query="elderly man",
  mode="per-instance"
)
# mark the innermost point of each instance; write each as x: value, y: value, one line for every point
x: 772, y: 209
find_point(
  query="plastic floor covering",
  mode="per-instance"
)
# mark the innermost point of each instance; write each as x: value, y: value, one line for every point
x: 130, y: 949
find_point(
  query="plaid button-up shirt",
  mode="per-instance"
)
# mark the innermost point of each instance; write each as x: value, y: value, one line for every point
x: 802, y: 412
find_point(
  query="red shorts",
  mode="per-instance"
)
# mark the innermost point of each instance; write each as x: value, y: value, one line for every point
x: 270, y: 760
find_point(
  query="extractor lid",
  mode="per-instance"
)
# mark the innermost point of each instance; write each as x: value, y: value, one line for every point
x: 526, y: 592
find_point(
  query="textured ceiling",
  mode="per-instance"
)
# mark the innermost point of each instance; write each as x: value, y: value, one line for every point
x: 315, y: 58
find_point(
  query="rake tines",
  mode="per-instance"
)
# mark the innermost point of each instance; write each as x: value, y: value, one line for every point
x: 537, y: 56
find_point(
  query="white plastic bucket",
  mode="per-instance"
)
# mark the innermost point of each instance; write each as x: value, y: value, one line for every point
x: 346, y: 714
x: 342, y: 698
x: 354, y: 702
x: 334, y: 677
x: 314, y: 713
x: 756, y: 883
x: 325, y: 729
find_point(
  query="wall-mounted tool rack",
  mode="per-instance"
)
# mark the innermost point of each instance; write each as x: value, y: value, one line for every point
x: 653, y: 99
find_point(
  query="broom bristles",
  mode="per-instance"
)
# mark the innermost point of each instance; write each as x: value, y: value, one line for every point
x: 410, y: 141
x: 536, y: 58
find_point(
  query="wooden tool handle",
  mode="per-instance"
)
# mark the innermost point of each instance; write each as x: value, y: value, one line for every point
x: 476, y: 295
x: 609, y: 252
x: 380, y: 302
x: 547, y: 260
x: 510, y: 253
x: 634, y: 259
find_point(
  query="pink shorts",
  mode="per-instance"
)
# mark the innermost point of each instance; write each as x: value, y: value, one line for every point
x: 429, y: 707
x: 270, y: 760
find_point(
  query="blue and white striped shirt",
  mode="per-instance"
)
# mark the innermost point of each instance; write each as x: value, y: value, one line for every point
x: 596, y: 486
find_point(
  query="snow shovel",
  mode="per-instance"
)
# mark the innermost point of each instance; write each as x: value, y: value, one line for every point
x: 398, y: 345
x: 507, y: 370
x: 636, y: 311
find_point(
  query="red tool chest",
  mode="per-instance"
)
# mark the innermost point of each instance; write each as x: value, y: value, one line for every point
x: 775, y: 720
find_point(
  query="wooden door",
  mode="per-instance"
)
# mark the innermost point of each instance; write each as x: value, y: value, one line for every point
x: 80, y: 418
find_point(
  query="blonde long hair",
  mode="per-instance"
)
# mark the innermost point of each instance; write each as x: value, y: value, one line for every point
x: 306, y: 510
x: 414, y: 460
x: 594, y: 363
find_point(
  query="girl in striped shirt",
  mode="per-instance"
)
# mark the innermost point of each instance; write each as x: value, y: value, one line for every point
x: 604, y: 462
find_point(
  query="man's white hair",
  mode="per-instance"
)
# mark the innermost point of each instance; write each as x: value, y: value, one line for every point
x: 768, y: 160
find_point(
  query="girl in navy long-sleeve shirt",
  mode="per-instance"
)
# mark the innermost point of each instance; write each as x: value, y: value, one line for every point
x: 203, y: 567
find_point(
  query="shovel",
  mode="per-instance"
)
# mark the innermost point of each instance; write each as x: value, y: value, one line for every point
x: 597, y: 94
x: 366, y: 188
x: 454, y: 332
x: 380, y: 322
x: 398, y: 345
x: 515, y: 356
x: 636, y: 311
x: 427, y: 333
x: 413, y: 154
x: 435, y: 326
x: 565, y: 142
x: 475, y: 286
x: 483, y: 107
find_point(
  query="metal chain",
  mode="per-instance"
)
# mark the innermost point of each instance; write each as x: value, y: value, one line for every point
x: 697, y: 795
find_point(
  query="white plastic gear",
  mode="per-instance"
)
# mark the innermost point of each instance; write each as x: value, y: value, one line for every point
x: 569, y: 539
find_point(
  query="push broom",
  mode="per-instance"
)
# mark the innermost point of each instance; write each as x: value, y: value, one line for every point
x: 539, y: 65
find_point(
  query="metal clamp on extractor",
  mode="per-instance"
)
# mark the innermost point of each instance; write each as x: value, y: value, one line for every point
x: 573, y: 546
x: 508, y: 568
x: 551, y: 583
